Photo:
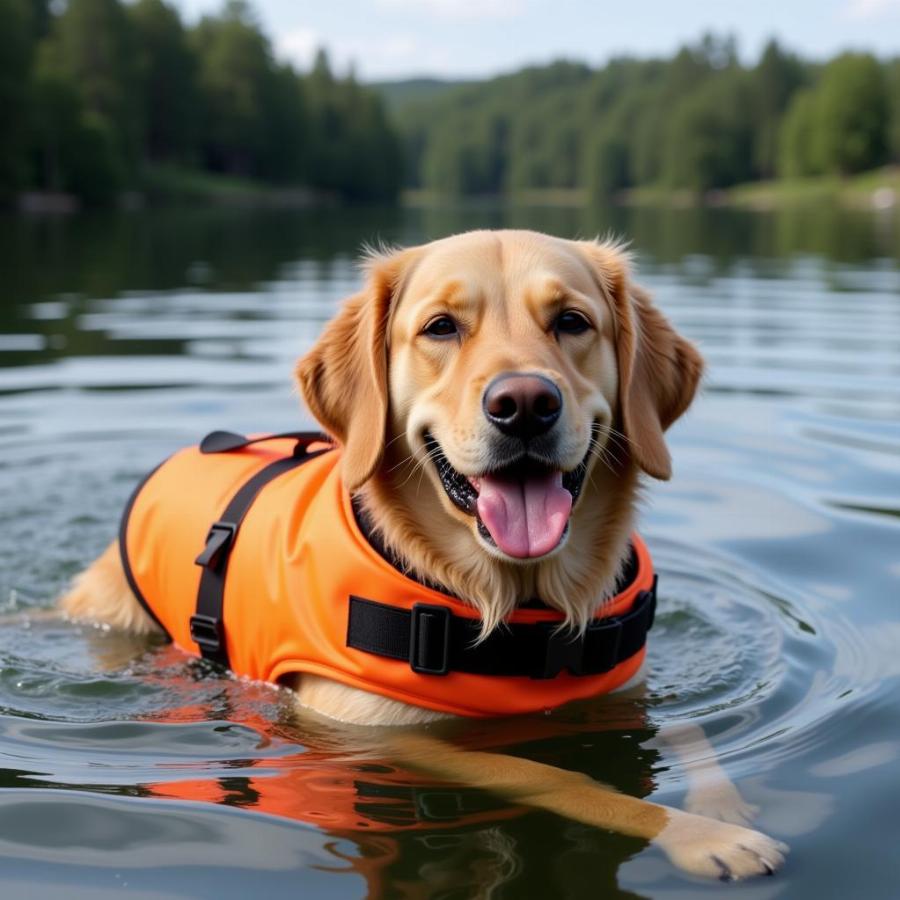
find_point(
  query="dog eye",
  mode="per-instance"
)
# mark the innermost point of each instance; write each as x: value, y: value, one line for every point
x: 571, y: 322
x: 441, y: 327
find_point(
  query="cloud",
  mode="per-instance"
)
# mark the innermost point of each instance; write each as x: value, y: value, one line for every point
x: 298, y: 46
x: 462, y: 10
x: 369, y: 59
x: 869, y: 10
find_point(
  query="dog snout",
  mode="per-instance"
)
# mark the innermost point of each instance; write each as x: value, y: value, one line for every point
x: 522, y: 405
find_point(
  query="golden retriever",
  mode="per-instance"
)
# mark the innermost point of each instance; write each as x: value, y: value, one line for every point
x: 497, y: 395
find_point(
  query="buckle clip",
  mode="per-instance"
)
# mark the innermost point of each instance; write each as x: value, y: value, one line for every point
x: 579, y: 655
x: 429, y: 639
x: 218, y: 544
x: 207, y: 632
x: 561, y: 651
x: 601, y: 641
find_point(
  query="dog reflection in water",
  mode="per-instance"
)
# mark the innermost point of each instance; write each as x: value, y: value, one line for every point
x: 408, y: 835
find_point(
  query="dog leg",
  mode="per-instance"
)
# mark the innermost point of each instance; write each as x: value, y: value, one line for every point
x: 696, y: 844
x: 710, y: 791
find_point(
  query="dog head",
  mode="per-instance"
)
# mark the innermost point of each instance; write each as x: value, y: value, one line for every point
x: 504, y: 365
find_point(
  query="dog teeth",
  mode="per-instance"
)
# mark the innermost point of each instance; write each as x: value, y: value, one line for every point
x: 458, y: 488
x: 573, y: 481
x: 482, y: 530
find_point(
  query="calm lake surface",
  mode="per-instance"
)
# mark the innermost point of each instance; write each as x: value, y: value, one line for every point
x: 126, y: 765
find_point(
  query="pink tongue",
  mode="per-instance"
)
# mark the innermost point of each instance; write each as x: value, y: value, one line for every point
x: 524, y: 518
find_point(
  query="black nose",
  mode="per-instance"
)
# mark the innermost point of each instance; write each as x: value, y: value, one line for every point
x: 522, y: 405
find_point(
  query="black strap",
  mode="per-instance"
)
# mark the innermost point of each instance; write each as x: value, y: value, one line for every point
x: 434, y: 641
x: 207, y: 624
x: 225, y: 441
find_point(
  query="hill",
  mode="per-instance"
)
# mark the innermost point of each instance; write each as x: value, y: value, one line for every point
x: 697, y: 122
x: 398, y: 95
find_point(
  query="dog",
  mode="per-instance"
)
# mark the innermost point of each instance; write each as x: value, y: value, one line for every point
x: 497, y: 397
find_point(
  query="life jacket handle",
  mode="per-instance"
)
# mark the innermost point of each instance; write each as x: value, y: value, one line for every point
x: 226, y: 441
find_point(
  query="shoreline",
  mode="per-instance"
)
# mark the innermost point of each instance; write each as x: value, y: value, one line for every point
x: 166, y: 186
x: 163, y: 186
x: 877, y: 189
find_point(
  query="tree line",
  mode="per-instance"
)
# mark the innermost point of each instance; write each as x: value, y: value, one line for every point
x: 698, y: 121
x: 94, y: 94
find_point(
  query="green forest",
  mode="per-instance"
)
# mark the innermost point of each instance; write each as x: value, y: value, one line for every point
x: 101, y: 97
x: 699, y: 121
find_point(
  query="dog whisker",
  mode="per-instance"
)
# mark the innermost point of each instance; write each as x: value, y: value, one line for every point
x: 602, y: 453
x: 418, y: 465
x: 429, y: 454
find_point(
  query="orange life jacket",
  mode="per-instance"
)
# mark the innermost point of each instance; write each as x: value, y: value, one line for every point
x: 285, y: 582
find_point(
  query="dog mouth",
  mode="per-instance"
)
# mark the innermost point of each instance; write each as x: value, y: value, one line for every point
x: 522, y: 507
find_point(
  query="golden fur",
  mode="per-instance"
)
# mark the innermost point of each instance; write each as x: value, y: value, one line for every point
x: 376, y: 385
x: 633, y: 373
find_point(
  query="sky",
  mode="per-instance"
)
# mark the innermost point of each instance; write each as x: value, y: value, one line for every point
x: 393, y: 39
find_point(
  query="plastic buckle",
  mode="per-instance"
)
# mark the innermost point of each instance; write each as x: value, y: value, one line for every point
x: 561, y: 651
x: 207, y: 633
x: 575, y: 655
x: 602, y: 641
x: 429, y: 639
x: 218, y: 541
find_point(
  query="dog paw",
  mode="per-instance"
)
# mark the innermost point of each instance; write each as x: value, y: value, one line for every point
x: 720, y: 850
x: 720, y: 800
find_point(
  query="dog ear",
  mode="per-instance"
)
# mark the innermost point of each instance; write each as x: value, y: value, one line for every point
x: 659, y: 370
x: 343, y: 378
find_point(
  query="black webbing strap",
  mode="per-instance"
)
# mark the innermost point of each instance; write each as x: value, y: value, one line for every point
x: 225, y: 441
x: 434, y: 641
x: 207, y: 624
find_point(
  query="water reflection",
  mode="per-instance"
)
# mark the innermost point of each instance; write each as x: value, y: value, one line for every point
x: 123, y: 337
x: 105, y: 254
x: 403, y: 832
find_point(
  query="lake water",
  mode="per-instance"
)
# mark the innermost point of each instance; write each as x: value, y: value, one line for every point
x: 128, y: 765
